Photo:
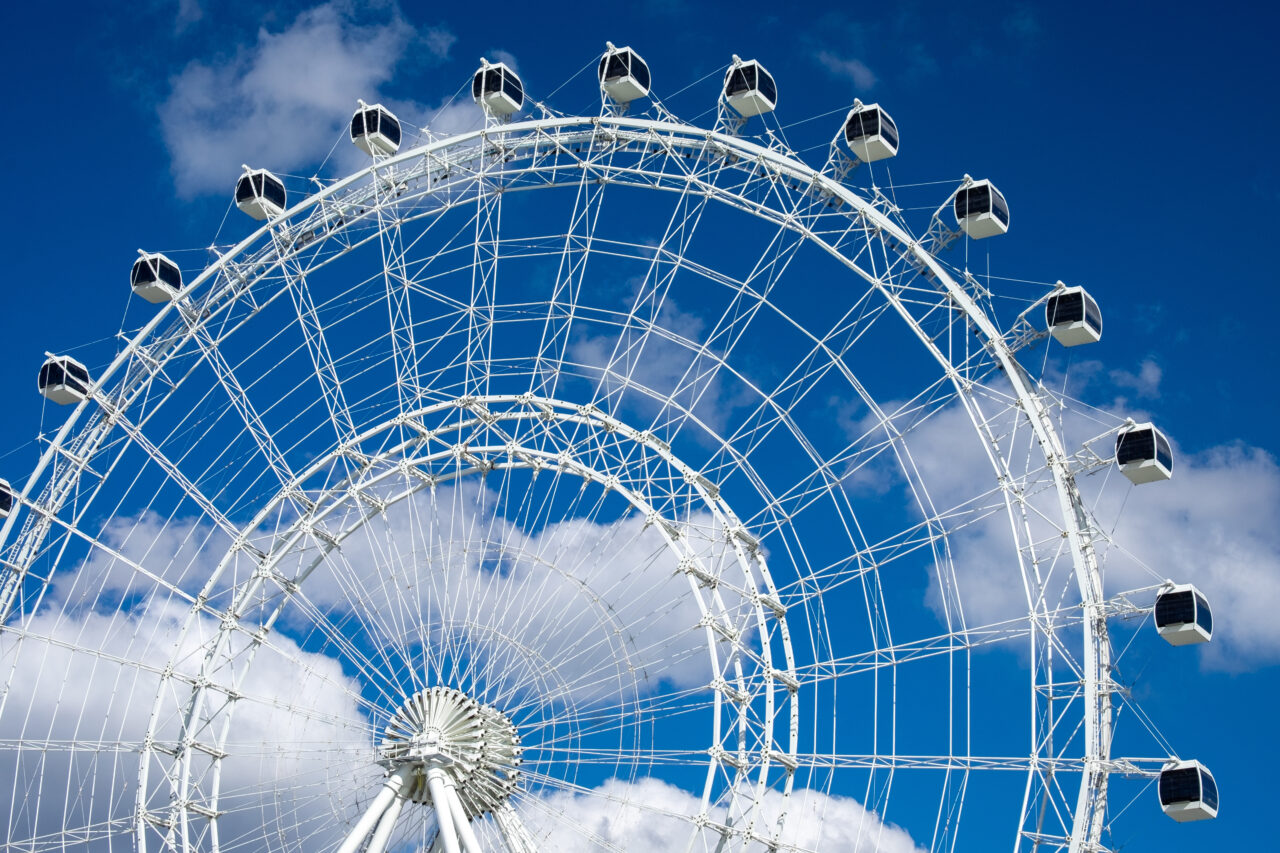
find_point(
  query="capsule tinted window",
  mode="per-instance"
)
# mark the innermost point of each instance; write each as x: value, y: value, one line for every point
x: 170, y: 275
x: 617, y: 67
x: 1180, y: 786
x: 357, y: 124
x: 476, y: 83
x: 492, y: 81
x: 1092, y: 315
x: 142, y: 273
x: 640, y: 71
x: 767, y: 87
x: 973, y: 201
x: 999, y: 208
x: 888, y: 129
x: 1065, y: 308
x: 863, y: 124
x: 244, y: 189
x: 511, y: 86
x: 1204, y: 615
x: 737, y: 82
x: 6, y: 500
x: 274, y: 193
x: 77, y: 373
x: 390, y: 129
x: 1175, y: 608
x: 1208, y: 791
x: 1163, y: 453
x: 1136, y: 445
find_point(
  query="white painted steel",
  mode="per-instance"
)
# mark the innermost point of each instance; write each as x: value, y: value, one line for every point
x: 190, y: 767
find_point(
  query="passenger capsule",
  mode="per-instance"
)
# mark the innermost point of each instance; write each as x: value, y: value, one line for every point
x: 155, y: 278
x: 1183, y: 616
x: 1073, y: 317
x: 981, y: 210
x: 623, y: 74
x: 1188, y: 792
x: 870, y: 133
x: 375, y: 129
x: 1143, y: 454
x: 64, y: 380
x: 7, y: 499
x: 260, y: 194
x: 497, y: 88
x: 749, y: 88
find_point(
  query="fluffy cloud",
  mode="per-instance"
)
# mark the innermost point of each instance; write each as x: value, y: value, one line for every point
x: 282, y: 101
x: 853, y: 69
x: 72, y: 680
x: 642, y: 815
x: 1212, y: 524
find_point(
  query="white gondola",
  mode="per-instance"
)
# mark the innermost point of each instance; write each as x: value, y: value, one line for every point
x: 1183, y: 616
x: 64, y: 380
x: 981, y: 210
x: 623, y: 74
x: 749, y: 88
x: 7, y: 499
x: 497, y: 88
x: 870, y: 133
x: 1143, y: 454
x: 260, y: 194
x: 155, y: 278
x: 375, y: 129
x: 1073, y: 316
x: 1188, y: 792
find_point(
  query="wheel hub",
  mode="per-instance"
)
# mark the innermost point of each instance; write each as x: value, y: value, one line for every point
x: 475, y: 744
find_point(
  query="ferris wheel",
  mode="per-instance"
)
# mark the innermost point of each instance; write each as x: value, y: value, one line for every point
x: 551, y: 486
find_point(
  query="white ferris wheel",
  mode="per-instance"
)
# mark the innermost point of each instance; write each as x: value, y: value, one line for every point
x: 568, y: 475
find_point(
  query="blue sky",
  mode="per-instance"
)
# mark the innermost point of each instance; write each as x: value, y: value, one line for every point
x: 1135, y: 148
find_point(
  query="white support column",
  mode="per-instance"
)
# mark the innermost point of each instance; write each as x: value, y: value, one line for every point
x: 444, y: 814
x: 382, y: 835
x: 467, y: 833
x: 390, y: 793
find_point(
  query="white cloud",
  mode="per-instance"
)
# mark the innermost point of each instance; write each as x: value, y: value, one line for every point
x: 1212, y: 524
x: 1146, y: 382
x: 281, y: 102
x: 647, y: 815
x: 854, y: 69
x: 600, y: 602
x: 56, y: 695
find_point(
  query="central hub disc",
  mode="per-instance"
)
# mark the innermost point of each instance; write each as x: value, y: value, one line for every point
x: 475, y: 744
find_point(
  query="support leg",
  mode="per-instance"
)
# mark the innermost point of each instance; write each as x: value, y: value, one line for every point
x: 444, y: 814
x: 390, y: 792
x: 381, y: 835
x: 467, y: 833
